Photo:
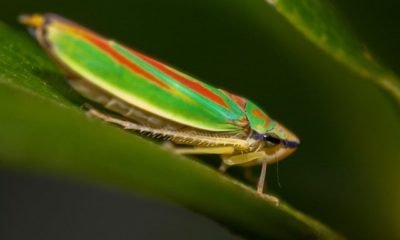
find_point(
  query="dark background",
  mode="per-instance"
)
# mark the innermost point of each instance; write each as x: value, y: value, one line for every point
x: 346, y: 172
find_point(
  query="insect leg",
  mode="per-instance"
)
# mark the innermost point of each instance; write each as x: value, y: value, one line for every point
x: 231, y: 160
x: 247, y: 158
x: 205, y: 150
x: 240, y: 159
x: 261, y: 179
x: 181, y: 137
x: 208, y: 150
x: 261, y: 183
x: 108, y: 118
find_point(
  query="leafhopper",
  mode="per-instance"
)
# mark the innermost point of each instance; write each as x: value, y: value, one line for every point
x: 148, y: 96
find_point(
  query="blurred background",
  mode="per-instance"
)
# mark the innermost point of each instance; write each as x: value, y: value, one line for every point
x: 346, y: 171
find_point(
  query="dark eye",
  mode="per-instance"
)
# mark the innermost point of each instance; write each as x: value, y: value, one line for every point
x: 271, y: 140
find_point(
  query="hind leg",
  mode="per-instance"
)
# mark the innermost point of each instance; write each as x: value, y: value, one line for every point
x: 91, y: 111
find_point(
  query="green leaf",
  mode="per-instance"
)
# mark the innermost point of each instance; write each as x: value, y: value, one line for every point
x: 42, y: 129
x: 319, y: 21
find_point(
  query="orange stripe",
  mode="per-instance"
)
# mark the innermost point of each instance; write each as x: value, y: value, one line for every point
x: 261, y: 115
x: 105, y: 46
x: 195, y: 86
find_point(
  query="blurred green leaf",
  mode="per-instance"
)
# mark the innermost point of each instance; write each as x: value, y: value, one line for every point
x: 319, y: 21
x: 42, y: 129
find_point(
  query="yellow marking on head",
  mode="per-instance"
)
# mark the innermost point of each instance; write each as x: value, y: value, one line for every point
x: 33, y: 20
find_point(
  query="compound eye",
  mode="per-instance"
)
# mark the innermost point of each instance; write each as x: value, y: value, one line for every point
x: 271, y: 140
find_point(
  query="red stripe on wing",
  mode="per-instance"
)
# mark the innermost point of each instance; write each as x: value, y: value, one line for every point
x: 105, y: 46
x: 195, y: 86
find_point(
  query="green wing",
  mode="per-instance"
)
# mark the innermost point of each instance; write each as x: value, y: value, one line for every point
x: 139, y: 80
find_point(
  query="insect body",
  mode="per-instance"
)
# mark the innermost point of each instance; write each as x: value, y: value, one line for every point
x: 151, y: 97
